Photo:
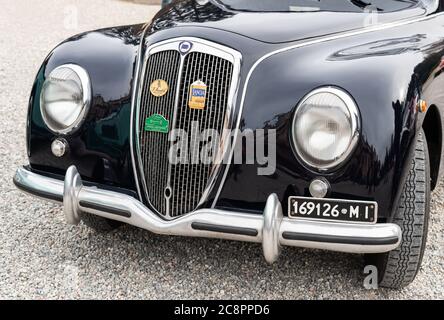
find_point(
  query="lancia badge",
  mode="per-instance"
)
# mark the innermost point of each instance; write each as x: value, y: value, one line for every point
x: 185, y: 47
x: 198, y: 95
x: 159, y: 88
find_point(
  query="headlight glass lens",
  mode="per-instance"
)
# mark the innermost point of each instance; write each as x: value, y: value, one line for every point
x: 65, y: 98
x: 325, y: 128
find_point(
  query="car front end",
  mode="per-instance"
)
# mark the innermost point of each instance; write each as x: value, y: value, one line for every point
x: 109, y: 107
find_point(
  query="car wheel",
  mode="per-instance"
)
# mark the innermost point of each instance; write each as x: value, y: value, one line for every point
x: 99, y: 224
x: 398, y: 268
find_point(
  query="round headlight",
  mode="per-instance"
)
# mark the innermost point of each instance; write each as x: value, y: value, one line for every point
x: 65, y: 98
x: 325, y: 128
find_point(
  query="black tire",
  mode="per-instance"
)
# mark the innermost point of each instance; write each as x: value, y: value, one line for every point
x: 398, y: 268
x: 99, y: 224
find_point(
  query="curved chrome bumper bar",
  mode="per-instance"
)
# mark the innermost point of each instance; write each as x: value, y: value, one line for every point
x: 271, y: 229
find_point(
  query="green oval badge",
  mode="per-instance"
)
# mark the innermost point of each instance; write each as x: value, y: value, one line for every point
x: 157, y: 123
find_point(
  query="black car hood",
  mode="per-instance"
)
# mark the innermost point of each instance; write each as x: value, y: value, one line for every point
x: 270, y: 27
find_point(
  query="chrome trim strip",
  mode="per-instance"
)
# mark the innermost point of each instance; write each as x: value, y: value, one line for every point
x: 273, y: 230
x: 199, y: 45
x: 133, y: 104
x: 300, y: 45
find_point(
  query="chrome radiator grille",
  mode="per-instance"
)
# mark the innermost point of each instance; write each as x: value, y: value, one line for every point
x: 177, y: 189
x: 154, y: 145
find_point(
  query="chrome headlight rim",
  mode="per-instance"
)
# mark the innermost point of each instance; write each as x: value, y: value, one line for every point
x: 355, y: 117
x: 86, y: 100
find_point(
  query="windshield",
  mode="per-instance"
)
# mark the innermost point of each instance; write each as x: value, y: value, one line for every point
x: 325, y: 5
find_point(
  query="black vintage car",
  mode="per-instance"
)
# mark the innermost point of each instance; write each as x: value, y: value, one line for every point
x: 339, y: 101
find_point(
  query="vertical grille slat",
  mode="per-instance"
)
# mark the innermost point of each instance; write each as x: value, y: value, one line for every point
x: 187, y: 181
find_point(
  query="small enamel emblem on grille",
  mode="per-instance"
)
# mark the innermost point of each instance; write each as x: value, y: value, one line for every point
x: 198, y: 95
x: 159, y: 88
x: 157, y: 123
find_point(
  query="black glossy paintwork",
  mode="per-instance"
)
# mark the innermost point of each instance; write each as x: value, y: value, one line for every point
x: 100, y: 149
x: 385, y: 71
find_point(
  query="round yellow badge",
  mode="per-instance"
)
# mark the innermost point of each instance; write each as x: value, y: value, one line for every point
x: 159, y: 88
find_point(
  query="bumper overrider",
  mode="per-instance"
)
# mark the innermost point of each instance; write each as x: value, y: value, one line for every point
x: 271, y: 228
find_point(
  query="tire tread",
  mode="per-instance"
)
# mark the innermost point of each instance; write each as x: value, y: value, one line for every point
x: 403, y: 263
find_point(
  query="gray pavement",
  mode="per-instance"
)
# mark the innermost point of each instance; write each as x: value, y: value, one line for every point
x: 42, y: 257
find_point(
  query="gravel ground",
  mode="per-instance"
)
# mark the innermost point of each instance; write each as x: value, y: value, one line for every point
x: 42, y: 257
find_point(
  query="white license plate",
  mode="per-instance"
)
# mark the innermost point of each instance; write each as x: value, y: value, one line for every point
x: 333, y: 210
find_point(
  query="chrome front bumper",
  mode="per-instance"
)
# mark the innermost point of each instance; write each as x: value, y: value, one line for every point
x: 271, y: 229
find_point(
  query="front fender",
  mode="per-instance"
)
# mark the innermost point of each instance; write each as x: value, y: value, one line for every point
x: 384, y: 72
x: 100, y: 149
